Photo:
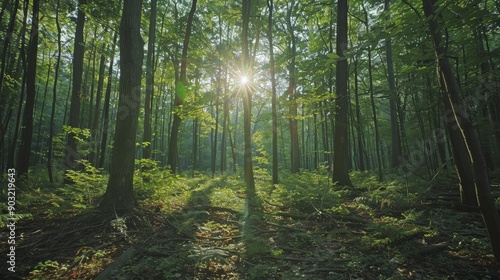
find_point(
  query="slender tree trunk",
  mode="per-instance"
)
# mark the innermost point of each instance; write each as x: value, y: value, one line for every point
x: 252, y: 205
x: 95, y: 121
x: 393, y: 96
x: 294, y: 133
x: 21, y: 66
x: 358, y: 118
x: 180, y: 94
x: 146, y: 140
x: 462, y: 124
x: 372, y: 100
x: 119, y: 194
x: 92, y: 81
x: 341, y: 140
x: 54, y: 94
x: 105, y: 110
x: 23, y: 159
x: 215, y: 131
x: 225, y: 121
x: 74, y: 117
x: 270, y: 5
x: 39, y: 142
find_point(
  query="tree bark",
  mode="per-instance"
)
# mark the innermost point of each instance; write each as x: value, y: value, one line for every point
x: 105, y: 109
x: 270, y: 5
x: 54, y: 94
x: 179, y: 100
x: 294, y: 133
x: 23, y: 159
x: 119, y: 194
x: 461, y: 122
x: 393, y: 96
x: 74, y: 117
x: 358, y: 118
x: 21, y: 66
x: 95, y: 120
x: 372, y: 101
x: 146, y: 140
x: 341, y: 140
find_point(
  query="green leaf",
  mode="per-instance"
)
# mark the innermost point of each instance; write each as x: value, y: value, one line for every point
x: 333, y: 56
x: 181, y: 91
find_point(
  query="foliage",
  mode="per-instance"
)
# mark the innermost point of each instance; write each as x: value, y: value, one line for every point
x: 88, y: 185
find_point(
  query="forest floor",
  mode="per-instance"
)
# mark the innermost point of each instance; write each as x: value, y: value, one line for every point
x: 192, y: 229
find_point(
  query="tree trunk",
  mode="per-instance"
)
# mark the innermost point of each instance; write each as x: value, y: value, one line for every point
x: 39, y: 142
x: 341, y: 140
x: 372, y: 101
x: 270, y: 5
x: 294, y: 133
x: 358, y: 118
x: 119, y: 194
x: 95, y: 121
x: 215, y: 131
x: 74, y: 117
x: 461, y: 122
x: 225, y: 122
x: 146, y: 140
x: 180, y: 94
x: 23, y: 159
x: 54, y: 94
x: 393, y: 96
x: 21, y: 66
x: 252, y: 206
x: 105, y: 109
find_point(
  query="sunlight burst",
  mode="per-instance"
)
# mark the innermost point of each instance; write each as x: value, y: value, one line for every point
x: 244, y: 80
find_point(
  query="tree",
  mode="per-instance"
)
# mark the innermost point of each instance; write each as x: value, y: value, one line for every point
x: 294, y: 134
x: 461, y: 123
x: 107, y: 98
x: 270, y: 5
x: 393, y: 96
x: 76, y: 92
x: 148, y: 102
x: 119, y: 194
x: 341, y: 142
x: 23, y: 159
x: 180, y: 93
x: 247, y: 102
x: 54, y: 94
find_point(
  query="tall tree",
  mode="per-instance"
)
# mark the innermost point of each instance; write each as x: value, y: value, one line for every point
x: 393, y: 96
x: 50, y: 153
x: 119, y: 194
x: 461, y: 123
x: 6, y: 44
x: 23, y: 159
x: 341, y: 142
x: 294, y: 133
x: 21, y: 66
x: 105, y: 109
x: 270, y: 5
x: 146, y: 140
x: 372, y: 101
x: 252, y: 206
x: 180, y: 93
x: 76, y: 92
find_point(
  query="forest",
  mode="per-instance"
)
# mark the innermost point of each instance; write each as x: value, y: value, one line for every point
x: 250, y: 139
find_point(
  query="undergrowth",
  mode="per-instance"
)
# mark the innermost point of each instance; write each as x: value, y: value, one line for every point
x: 190, y: 227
